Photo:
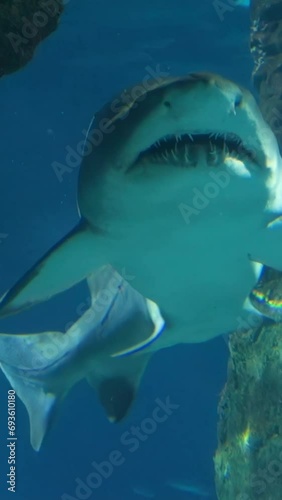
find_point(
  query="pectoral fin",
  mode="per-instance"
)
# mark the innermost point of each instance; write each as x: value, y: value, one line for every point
x: 64, y: 265
x: 267, y: 246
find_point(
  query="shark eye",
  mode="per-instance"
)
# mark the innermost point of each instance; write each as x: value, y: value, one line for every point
x: 167, y: 104
x: 238, y: 100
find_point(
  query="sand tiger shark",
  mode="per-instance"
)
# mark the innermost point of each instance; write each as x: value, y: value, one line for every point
x: 184, y: 190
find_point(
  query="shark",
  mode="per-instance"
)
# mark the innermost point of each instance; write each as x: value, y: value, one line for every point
x: 181, y: 184
x: 189, y: 487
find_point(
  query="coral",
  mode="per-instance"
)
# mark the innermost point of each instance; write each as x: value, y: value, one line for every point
x: 266, y: 47
x: 23, y: 25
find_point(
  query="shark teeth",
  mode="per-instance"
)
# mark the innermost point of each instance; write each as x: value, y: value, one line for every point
x: 165, y: 156
x: 214, y: 155
x: 184, y: 150
x: 188, y: 157
x: 225, y: 149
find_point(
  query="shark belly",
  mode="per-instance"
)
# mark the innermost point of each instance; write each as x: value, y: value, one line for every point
x: 197, y: 270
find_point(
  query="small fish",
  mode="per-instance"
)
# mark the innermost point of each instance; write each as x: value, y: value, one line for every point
x: 266, y: 297
x: 242, y: 3
x: 143, y: 492
x: 189, y: 487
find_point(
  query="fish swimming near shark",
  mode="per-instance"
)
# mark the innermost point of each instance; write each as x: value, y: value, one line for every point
x: 181, y: 184
x: 189, y: 487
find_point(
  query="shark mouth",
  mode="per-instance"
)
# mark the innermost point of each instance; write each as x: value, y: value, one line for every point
x: 186, y: 150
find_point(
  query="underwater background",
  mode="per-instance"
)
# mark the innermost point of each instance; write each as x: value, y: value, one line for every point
x: 100, y: 48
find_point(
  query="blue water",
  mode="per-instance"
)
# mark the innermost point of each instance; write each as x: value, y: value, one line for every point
x: 100, y: 48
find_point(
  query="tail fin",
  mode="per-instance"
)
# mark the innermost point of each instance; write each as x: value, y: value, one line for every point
x: 64, y: 265
x: 40, y: 405
x: 30, y: 363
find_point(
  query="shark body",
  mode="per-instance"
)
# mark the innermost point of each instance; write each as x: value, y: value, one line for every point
x: 183, y: 188
x: 183, y: 191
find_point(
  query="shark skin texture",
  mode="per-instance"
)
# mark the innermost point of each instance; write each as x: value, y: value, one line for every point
x: 105, y: 347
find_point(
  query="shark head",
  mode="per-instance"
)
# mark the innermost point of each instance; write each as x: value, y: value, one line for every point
x: 198, y: 110
x: 178, y: 123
